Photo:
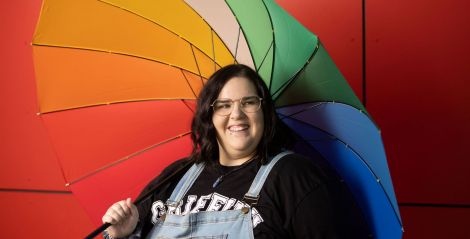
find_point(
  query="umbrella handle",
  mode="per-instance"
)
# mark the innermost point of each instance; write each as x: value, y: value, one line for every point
x: 98, y: 231
x: 142, y: 197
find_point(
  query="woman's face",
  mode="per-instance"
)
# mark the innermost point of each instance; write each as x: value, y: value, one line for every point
x: 238, y: 133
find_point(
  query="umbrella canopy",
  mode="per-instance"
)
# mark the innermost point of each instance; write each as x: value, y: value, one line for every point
x: 117, y: 82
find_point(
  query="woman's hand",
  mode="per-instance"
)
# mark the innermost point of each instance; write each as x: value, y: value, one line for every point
x: 123, y: 217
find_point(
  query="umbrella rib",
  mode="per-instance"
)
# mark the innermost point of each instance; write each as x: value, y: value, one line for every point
x: 44, y: 191
x: 288, y: 83
x: 197, y: 65
x: 264, y: 58
x: 377, y: 180
x: 187, y: 81
x: 262, y: 62
x: 236, y: 46
x: 326, y: 102
x: 126, y: 158
x: 318, y: 104
x: 243, y: 31
x: 331, y: 102
x: 195, y: 60
x: 112, y: 52
x: 156, y: 23
x: 112, y: 103
x: 54, y: 147
x: 213, y: 50
x: 333, y: 137
x: 211, y: 30
x: 305, y: 109
x: 356, y: 153
x: 273, y: 43
x: 186, y: 104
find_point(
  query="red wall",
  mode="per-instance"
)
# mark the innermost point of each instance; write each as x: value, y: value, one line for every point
x: 417, y: 87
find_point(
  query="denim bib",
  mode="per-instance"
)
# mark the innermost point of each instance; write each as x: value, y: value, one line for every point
x: 211, y: 224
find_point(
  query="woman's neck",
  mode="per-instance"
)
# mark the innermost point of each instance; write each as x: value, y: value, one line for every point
x: 234, y: 159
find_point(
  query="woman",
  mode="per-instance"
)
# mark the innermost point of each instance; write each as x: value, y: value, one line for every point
x: 243, y: 182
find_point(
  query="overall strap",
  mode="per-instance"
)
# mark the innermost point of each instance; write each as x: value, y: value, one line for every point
x: 251, y: 197
x: 185, y: 184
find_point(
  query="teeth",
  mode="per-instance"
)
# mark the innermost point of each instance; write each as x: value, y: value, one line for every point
x: 236, y: 128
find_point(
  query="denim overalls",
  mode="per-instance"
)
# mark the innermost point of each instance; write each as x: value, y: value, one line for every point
x: 214, y: 224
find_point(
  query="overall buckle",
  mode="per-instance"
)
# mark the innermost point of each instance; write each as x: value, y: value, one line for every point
x: 251, y: 200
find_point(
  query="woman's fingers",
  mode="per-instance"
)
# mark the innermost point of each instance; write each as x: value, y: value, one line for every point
x: 134, y: 211
x: 129, y: 203
x: 123, y: 216
x: 121, y: 209
x: 131, y: 206
x: 118, y: 212
x: 108, y: 219
x: 111, y: 218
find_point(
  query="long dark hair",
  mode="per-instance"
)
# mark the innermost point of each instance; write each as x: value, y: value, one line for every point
x: 276, y: 136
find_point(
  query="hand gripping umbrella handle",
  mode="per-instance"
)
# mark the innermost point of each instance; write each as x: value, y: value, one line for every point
x: 184, y: 168
x: 98, y: 230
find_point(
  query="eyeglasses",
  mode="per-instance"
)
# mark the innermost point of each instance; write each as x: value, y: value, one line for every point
x: 248, y: 104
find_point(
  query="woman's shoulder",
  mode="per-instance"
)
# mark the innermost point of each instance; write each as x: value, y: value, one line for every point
x: 166, y: 172
x: 308, y: 188
x: 174, y: 166
x: 298, y: 165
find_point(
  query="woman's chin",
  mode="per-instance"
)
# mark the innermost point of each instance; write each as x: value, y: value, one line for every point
x: 242, y: 147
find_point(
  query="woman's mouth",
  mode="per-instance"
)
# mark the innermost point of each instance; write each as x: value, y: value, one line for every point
x: 238, y: 128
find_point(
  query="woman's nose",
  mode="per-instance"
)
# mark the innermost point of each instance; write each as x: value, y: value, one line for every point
x: 237, y: 111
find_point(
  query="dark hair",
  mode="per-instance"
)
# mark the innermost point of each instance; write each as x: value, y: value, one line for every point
x: 276, y: 136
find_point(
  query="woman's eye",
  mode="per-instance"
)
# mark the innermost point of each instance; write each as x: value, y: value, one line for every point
x: 250, y: 102
x: 222, y: 106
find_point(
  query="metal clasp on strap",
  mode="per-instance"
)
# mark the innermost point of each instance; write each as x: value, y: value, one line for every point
x: 250, y: 200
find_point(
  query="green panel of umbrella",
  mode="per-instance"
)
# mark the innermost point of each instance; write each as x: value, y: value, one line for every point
x: 299, y: 58
x: 307, y: 86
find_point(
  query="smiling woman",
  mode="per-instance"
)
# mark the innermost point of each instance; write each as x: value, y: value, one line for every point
x: 239, y: 132
x: 243, y: 182
x: 228, y: 133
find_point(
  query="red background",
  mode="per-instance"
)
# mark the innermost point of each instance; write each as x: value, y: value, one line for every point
x: 417, y: 68
x: 417, y: 73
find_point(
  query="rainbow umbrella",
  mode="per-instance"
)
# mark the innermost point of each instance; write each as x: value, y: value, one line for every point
x: 117, y: 82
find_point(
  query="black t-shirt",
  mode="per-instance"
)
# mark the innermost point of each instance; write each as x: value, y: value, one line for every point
x: 301, y: 198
